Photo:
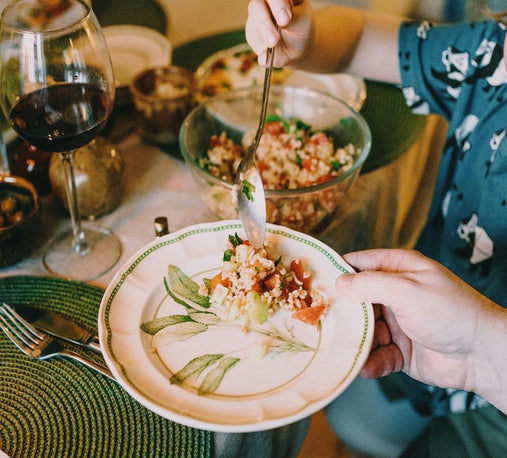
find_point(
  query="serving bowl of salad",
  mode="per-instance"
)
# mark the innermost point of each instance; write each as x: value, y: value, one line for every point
x: 311, y: 151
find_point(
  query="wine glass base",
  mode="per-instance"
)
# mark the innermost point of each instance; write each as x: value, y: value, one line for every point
x: 62, y: 261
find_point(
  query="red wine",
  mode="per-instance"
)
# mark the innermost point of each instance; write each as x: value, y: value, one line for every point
x: 61, y: 117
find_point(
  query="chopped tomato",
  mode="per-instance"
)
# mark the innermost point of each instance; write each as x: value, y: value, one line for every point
x: 218, y: 280
x: 257, y: 287
x: 261, y: 166
x: 310, y: 315
x: 307, y: 163
x: 214, y: 141
x: 271, y: 280
x: 274, y: 128
x: 319, y: 139
x: 296, y: 266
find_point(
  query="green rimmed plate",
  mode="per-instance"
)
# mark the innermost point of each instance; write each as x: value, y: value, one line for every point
x: 304, y: 369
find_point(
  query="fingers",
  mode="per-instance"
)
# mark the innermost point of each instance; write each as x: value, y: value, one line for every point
x: 260, y: 28
x: 391, y: 260
x: 383, y: 361
x: 263, y: 18
x: 385, y: 276
x: 281, y: 10
x: 382, y: 334
x: 373, y: 286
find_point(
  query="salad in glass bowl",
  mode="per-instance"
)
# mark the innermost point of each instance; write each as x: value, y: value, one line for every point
x: 311, y: 151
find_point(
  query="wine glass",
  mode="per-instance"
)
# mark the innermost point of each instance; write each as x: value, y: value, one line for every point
x: 57, y: 91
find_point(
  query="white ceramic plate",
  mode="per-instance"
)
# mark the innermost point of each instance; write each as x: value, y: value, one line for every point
x: 134, y: 48
x: 305, y: 369
x: 350, y: 89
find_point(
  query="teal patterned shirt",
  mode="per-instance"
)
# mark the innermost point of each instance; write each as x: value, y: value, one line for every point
x: 458, y: 71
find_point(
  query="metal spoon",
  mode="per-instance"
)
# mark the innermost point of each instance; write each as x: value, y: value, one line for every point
x: 249, y: 188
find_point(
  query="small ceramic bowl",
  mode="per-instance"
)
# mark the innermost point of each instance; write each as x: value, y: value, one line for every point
x: 163, y: 97
x: 19, y: 219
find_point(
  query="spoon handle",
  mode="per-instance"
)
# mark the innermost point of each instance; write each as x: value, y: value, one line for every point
x: 265, y: 97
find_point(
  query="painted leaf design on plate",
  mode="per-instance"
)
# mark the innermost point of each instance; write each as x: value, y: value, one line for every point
x: 204, y: 317
x: 156, y: 325
x: 178, y: 332
x: 194, y: 368
x: 176, y: 298
x: 214, y: 377
x: 185, y: 286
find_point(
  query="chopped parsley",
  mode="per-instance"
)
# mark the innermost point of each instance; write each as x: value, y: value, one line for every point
x: 228, y: 254
x: 273, y: 117
x: 247, y: 189
x: 235, y: 240
x: 336, y: 165
x: 302, y: 125
x: 299, y: 160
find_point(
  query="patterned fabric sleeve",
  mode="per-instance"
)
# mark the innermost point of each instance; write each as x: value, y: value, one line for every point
x: 440, y: 64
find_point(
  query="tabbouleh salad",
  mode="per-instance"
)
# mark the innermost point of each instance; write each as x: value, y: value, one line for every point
x: 290, y: 155
x: 251, y: 286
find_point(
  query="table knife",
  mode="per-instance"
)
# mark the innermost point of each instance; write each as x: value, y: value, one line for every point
x: 59, y: 326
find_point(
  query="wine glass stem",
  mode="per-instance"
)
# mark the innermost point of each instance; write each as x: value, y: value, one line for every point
x: 79, y: 243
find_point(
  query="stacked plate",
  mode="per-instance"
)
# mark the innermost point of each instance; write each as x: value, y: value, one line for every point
x: 134, y: 48
x: 236, y: 67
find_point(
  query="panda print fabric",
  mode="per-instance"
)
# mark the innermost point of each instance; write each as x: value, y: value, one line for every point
x: 459, y: 73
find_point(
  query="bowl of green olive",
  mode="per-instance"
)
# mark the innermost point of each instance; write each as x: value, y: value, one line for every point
x: 20, y: 211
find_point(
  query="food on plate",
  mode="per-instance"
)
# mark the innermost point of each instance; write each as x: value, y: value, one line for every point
x: 252, y: 285
x: 237, y: 70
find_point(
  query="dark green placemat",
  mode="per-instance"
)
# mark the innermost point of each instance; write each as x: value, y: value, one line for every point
x: 192, y: 54
x: 393, y: 126
x: 146, y: 13
x: 61, y: 408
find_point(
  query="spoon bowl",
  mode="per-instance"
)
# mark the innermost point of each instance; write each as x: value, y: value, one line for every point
x: 249, y: 188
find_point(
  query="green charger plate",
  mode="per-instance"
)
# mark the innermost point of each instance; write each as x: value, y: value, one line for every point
x: 392, y: 135
x: 61, y: 408
x: 146, y: 13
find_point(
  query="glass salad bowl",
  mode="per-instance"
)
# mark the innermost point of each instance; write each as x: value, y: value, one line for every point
x: 235, y: 114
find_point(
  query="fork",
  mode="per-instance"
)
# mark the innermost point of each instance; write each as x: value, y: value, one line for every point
x: 38, y: 344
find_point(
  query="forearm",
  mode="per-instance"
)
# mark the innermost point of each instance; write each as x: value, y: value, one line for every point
x: 489, y: 359
x: 355, y: 41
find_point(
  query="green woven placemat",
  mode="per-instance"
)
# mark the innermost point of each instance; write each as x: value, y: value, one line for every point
x: 146, y: 13
x: 61, y: 408
x: 393, y: 126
